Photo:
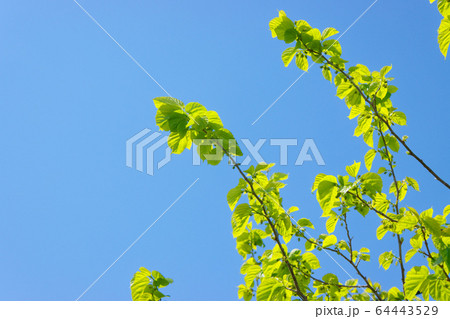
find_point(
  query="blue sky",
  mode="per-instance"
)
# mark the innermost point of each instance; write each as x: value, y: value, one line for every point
x: 70, y: 98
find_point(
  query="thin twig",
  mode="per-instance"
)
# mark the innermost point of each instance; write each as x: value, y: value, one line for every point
x: 350, y: 261
x: 371, y: 207
x: 272, y: 226
x: 397, y: 197
x: 410, y: 152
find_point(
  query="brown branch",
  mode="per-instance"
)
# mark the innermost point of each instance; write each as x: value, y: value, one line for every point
x: 371, y: 207
x: 397, y: 196
x: 428, y: 254
x: 272, y: 226
x: 331, y: 283
x: 410, y: 152
x: 350, y: 261
x: 348, y: 236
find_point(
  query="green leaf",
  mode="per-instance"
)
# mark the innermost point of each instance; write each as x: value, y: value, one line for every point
x: 304, y: 222
x: 413, y: 183
x: 329, y: 240
x: 179, y: 142
x: 302, y: 62
x: 251, y: 270
x: 326, y: 193
x: 368, y: 136
x: 333, y: 47
x: 399, y: 118
x: 439, y: 289
x: 344, y: 89
x: 416, y: 241
x: 263, y: 167
x: 280, y: 25
x: 288, y: 55
x: 444, y: 7
x: 240, y: 218
x: 331, y: 223
x: 406, y: 222
x: 381, y: 231
x: 278, y: 176
x: 392, y: 143
x: 195, y: 109
x: 371, y: 183
x: 168, y: 101
x: 410, y: 253
x: 266, y: 290
x: 446, y: 211
x: 327, y: 74
x: 368, y: 158
x: 245, y: 293
x: 392, y: 89
x: 343, y: 246
x: 444, y: 36
x: 235, y: 194
x: 364, y: 124
x: 214, y: 120
x: 353, y: 169
x: 394, y: 294
x: 414, y: 280
x: 381, y: 203
x: 432, y: 226
x: 144, y: 285
x: 385, y: 70
x: 242, y: 244
x: 427, y: 213
x: 386, y: 259
x: 171, y: 118
x: 329, y: 32
x: 312, y: 260
x: 363, y: 254
x: 317, y: 180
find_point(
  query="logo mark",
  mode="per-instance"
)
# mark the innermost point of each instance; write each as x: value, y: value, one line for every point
x: 145, y: 149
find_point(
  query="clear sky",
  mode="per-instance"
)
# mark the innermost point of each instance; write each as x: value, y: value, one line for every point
x: 70, y: 98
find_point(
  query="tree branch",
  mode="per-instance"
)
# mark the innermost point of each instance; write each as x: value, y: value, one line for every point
x: 410, y: 152
x: 397, y: 196
x: 272, y: 226
x: 350, y: 261
x: 371, y: 207
x: 428, y: 254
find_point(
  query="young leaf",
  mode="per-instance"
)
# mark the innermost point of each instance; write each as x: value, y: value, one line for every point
x: 329, y: 240
x: 317, y: 180
x: 381, y: 231
x: 353, y: 169
x: 312, y: 260
x: 240, y: 219
x: 326, y: 193
x: 386, y: 259
x: 267, y: 289
x: 413, y: 183
x: 414, y: 280
x: 371, y: 183
x: 444, y: 36
x: 302, y: 62
x: 234, y: 195
x: 410, y: 253
x: 329, y: 32
x: 288, y: 55
x: 331, y: 223
x: 368, y: 158
x: 327, y: 74
x: 304, y: 222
